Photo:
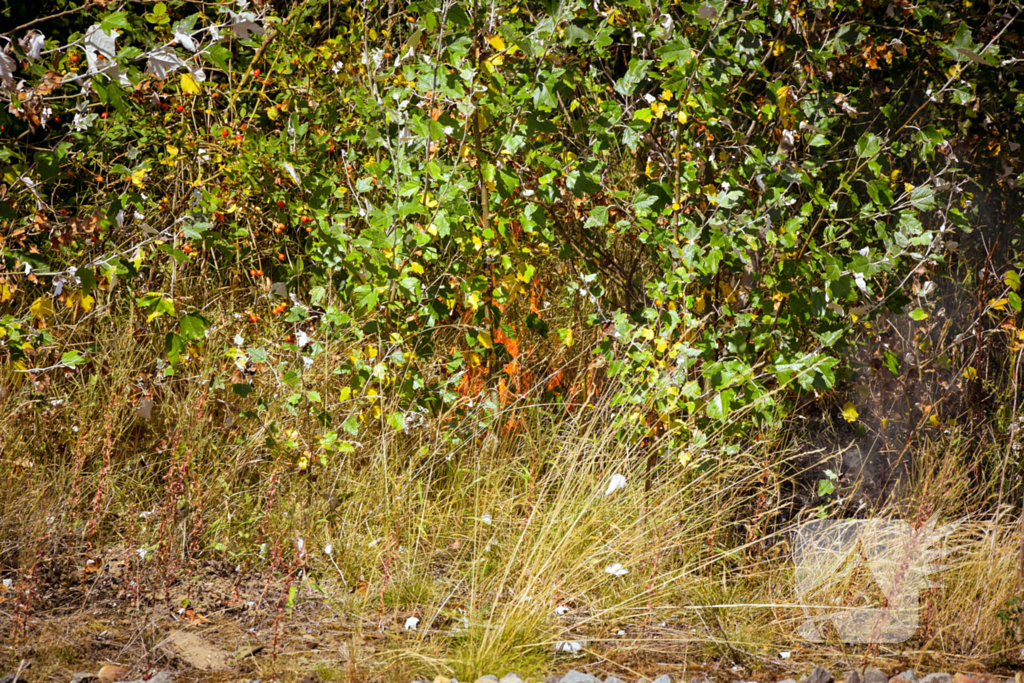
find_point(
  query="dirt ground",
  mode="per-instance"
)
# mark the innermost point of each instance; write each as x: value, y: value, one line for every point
x: 216, y: 624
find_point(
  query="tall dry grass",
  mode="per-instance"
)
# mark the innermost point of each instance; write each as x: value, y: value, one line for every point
x: 505, y: 549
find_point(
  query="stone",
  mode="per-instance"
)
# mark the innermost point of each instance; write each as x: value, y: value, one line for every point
x: 907, y: 676
x: 510, y: 678
x: 489, y: 678
x: 112, y: 673
x: 553, y: 678
x: 820, y: 675
x: 82, y: 676
x: 662, y: 679
x: 788, y: 680
x: 575, y: 676
x: 873, y: 675
x: 12, y: 678
x: 937, y: 678
x: 977, y: 678
x: 852, y: 677
x: 159, y: 677
x: 614, y: 679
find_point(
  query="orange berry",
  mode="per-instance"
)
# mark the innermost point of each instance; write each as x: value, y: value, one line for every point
x: 256, y: 72
x: 280, y: 257
x: 253, y: 318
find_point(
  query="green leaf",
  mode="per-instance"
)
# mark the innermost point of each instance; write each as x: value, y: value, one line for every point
x: 397, y: 421
x: 193, y: 327
x: 114, y: 20
x: 636, y: 73
x: 242, y: 390
x: 918, y: 314
x: 72, y: 359
x: 718, y: 407
x: 676, y: 51
x: 868, y: 145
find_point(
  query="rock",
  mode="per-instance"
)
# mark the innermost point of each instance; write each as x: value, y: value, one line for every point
x: 852, y: 677
x: 977, y: 678
x: 873, y: 675
x: 159, y: 677
x: 553, y: 678
x: 937, y: 678
x: 820, y: 675
x: 487, y: 679
x: 510, y: 678
x: 614, y: 679
x: 662, y: 679
x: 907, y: 676
x: 12, y: 678
x: 575, y: 676
x: 82, y: 676
x: 788, y: 680
x: 112, y: 673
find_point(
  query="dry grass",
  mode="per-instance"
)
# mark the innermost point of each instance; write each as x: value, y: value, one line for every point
x: 499, y: 549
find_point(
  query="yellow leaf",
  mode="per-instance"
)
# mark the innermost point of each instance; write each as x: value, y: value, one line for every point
x: 659, y: 109
x: 666, y: 95
x: 485, y: 339
x: 79, y: 303
x: 661, y: 345
x: 189, y: 85
x: 497, y: 42
x: 5, y: 292
x: 42, y: 308
x: 346, y: 393
x: 416, y: 268
x: 647, y: 333
x: 934, y: 420
x: 850, y: 413
x: 999, y: 305
x: 970, y: 374
x: 272, y: 113
x: 371, y: 351
x: 568, y: 338
x: 1012, y: 280
x: 682, y: 116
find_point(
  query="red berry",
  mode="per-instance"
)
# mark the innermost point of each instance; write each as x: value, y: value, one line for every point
x: 280, y: 257
x: 256, y: 72
x: 74, y: 59
x: 104, y: 115
x: 280, y: 203
x: 180, y: 108
x: 253, y: 318
x: 224, y: 133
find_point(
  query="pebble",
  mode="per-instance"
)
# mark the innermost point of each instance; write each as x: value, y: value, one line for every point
x: 575, y: 676
x: 820, y: 675
x: 907, y: 676
x: 817, y: 675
